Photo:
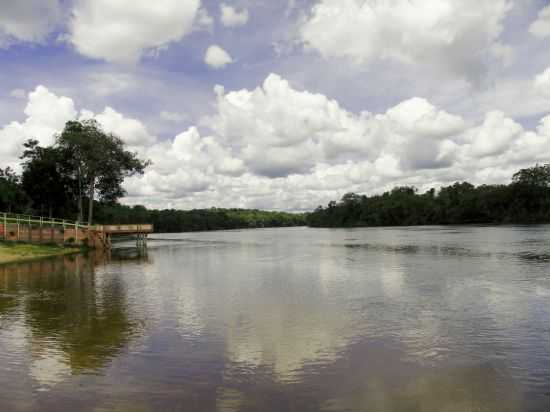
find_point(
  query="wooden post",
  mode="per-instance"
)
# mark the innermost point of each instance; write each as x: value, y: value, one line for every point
x: 52, y: 238
x: 18, y: 229
x: 40, y: 235
x: 5, y: 226
x: 76, y: 232
x: 30, y: 231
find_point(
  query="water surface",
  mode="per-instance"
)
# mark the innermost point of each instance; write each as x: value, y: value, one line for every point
x: 392, y: 319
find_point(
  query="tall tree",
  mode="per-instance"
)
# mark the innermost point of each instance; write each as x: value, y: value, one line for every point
x: 11, y: 194
x: 100, y: 162
x: 536, y: 176
x: 45, y: 179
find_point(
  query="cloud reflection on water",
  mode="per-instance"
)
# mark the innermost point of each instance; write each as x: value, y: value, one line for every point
x: 260, y: 320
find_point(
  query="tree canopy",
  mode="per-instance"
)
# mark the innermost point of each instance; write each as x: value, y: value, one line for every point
x: 99, y: 162
x: 83, y: 165
x: 538, y: 176
x: 173, y: 221
x: 12, y: 195
x: 525, y: 200
x: 46, y: 180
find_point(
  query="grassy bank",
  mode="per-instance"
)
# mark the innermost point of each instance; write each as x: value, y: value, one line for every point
x: 16, y: 252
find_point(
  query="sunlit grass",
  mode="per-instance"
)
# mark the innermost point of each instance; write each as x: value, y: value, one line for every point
x: 14, y: 252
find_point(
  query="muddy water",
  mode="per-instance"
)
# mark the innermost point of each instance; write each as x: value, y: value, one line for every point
x: 414, y: 319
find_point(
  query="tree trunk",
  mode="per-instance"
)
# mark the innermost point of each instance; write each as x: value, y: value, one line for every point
x: 80, y: 206
x: 91, y: 201
x: 80, y: 214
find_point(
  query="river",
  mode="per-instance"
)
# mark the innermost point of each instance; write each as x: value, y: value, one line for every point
x: 379, y: 319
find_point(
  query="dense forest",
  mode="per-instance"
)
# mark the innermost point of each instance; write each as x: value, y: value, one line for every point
x: 170, y: 220
x: 14, y: 199
x: 87, y: 166
x: 525, y: 200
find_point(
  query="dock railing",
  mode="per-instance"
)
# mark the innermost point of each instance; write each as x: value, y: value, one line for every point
x: 39, y: 229
x: 13, y: 225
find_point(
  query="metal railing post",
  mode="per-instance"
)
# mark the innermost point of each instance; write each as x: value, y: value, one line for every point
x: 5, y: 226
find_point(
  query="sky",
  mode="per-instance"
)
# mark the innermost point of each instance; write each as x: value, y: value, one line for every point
x: 284, y: 104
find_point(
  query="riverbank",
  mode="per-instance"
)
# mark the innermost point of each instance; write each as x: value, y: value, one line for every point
x: 18, y: 252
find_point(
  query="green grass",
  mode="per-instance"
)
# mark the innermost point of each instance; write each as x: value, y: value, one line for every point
x: 16, y: 252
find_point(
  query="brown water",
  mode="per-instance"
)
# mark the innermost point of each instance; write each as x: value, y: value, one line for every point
x: 415, y: 319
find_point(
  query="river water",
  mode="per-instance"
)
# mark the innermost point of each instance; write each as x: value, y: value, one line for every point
x: 390, y: 319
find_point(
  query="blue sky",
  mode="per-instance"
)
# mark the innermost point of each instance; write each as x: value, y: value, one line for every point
x: 298, y: 101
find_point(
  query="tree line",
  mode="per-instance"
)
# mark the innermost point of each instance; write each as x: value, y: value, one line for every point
x: 525, y: 200
x: 80, y: 178
x: 174, y: 221
x: 83, y: 165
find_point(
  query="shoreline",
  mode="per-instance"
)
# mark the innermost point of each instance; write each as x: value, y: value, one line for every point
x: 22, y: 252
x: 494, y: 224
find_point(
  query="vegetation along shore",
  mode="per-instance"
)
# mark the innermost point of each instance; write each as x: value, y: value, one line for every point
x: 526, y: 200
x: 17, y: 252
x: 87, y: 166
x: 59, y: 180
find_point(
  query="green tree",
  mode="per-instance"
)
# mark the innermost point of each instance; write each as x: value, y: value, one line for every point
x: 533, y: 188
x: 525, y: 200
x: 100, y: 162
x: 45, y: 179
x: 11, y: 194
x: 536, y: 176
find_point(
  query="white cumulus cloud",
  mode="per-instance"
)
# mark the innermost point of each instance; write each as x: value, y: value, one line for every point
x: 131, y: 131
x: 124, y: 30
x: 454, y: 36
x: 203, y: 20
x: 278, y: 130
x: 542, y: 83
x: 216, y: 57
x: 495, y: 135
x: 46, y: 114
x: 541, y: 26
x: 230, y: 17
x: 279, y: 147
x: 28, y: 20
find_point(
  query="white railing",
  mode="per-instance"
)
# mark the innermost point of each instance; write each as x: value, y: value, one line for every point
x: 10, y: 222
x: 18, y: 221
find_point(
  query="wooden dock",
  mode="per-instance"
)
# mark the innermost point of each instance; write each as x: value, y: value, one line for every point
x: 37, y: 230
x: 106, y: 232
